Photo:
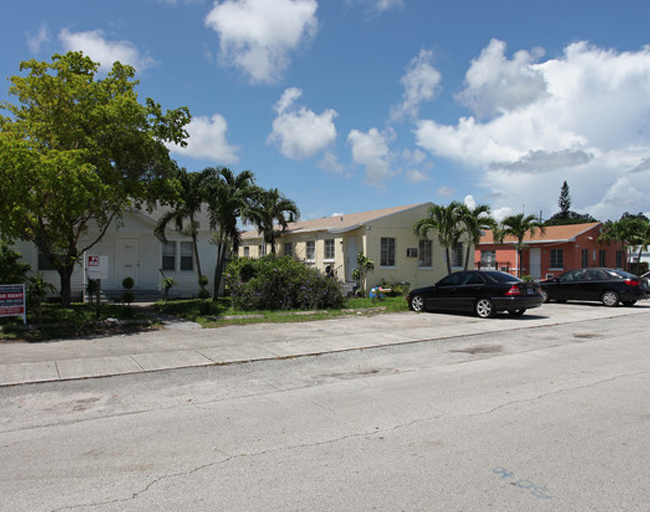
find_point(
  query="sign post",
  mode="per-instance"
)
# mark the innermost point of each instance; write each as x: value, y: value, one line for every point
x: 12, y: 301
x: 97, y: 269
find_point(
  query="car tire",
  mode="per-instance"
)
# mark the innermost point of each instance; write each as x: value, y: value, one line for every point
x: 629, y: 303
x: 545, y: 296
x: 517, y: 312
x: 417, y: 303
x: 484, y: 308
x: 610, y: 298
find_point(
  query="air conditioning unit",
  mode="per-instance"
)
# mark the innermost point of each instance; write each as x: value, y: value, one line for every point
x: 412, y: 252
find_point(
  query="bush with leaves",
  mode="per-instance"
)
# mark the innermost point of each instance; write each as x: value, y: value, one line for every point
x: 12, y: 271
x: 272, y: 283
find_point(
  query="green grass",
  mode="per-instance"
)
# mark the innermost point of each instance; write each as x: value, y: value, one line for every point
x: 82, y: 319
x: 214, y: 314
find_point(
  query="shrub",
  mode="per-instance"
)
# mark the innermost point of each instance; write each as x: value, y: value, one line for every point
x: 12, y: 271
x: 272, y: 283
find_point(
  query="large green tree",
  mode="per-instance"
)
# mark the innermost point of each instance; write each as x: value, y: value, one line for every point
x: 517, y: 226
x: 75, y: 151
x: 230, y: 199
x: 566, y: 215
x: 630, y: 231
x: 272, y: 213
x: 446, y: 222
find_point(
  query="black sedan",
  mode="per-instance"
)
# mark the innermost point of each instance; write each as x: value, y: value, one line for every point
x: 606, y: 285
x: 485, y: 292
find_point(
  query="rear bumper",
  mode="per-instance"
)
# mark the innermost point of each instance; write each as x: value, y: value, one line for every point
x: 517, y: 302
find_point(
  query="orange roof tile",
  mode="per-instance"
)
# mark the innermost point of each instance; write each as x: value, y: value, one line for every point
x: 552, y: 234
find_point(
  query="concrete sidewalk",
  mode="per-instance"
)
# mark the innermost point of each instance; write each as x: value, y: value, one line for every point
x: 185, y: 344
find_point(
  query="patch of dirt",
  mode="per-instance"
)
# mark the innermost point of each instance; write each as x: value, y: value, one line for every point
x: 480, y: 349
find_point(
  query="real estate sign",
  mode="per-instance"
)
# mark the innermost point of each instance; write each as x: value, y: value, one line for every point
x: 12, y: 301
x: 97, y: 266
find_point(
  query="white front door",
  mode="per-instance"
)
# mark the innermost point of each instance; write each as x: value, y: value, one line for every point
x: 536, y: 263
x: 128, y: 259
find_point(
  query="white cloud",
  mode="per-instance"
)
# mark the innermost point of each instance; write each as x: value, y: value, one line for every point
x: 94, y: 44
x: 330, y: 163
x: 301, y: 133
x: 470, y: 202
x: 495, y: 84
x: 207, y: 140
x: 421, y: 83
x: 257, y: 36
x: 377, y: 7
x: 581, y: 117
x: 446, y: 191
x: 36, y: 41
x: 371, y: 150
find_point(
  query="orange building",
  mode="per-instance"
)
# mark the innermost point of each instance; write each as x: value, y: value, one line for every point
x: 548, y: 254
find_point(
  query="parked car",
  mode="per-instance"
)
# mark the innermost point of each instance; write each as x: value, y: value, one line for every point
x: 485, y: 292
x: 606, y: 285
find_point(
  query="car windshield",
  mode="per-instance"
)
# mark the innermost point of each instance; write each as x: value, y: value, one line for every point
x: 500, y: 277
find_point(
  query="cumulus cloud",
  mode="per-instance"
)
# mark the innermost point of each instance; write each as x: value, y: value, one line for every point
x: 258, y: 36
x: 421, y: 83
x: 330, y: 163
x: 495, y: 84
x: 95, y: 44
x: 581, y: 117
x: 207, y: 140
x: 371, y: 149
x: 301, y: 133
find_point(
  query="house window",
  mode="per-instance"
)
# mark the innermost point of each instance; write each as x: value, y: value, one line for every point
x: 262, y: 250
x: 602, y: 258
x: 619, y: 259
x: 247, y: 251
x: 329, y: 250
x: 387, y: 252
x: 310, y: 251
x: 424, y: 250
x: 585, y: 258
x: 488, y: 259
x: 169, y: 256
x: 187, y: 256
x: 288, y: 249
x: 457, y: 256
x: 557, y: 258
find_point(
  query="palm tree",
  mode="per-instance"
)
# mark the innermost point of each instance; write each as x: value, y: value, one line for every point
x: 230, y: 199
x: 272, y: 207
x: 517, y: 226
x: 190, y: 199
x: 475, y: 221
x: 445, y: 220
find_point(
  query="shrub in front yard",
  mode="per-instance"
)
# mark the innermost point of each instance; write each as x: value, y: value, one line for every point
x: 272, y: 283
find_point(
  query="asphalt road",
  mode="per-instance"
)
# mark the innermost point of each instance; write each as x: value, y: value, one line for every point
x: 542, y: 417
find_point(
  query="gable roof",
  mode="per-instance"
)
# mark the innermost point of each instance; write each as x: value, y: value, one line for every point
x: 338, y: 223
x: 553, y: 234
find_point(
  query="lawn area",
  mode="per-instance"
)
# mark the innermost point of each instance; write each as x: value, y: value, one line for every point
x: 83, y: 319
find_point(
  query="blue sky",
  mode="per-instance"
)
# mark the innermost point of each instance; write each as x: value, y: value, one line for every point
x: 353, y: 105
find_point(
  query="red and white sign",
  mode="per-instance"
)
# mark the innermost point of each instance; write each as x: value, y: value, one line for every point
x: 12, y: 300
x: 97, y: 266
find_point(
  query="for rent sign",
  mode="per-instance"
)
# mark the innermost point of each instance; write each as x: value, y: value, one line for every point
x: 12, y: 300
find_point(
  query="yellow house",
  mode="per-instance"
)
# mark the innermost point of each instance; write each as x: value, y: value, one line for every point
x: 331, y: 244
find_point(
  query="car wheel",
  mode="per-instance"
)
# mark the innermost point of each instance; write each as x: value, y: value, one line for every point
x: 545, y: 296
x: 629, y: 303
x: 609, y: 298
x: 517, y: 312
x: 417, y: 303
x: 484, y: 308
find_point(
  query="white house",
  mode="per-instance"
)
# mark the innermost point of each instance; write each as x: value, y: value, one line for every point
x: 133, y: 251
